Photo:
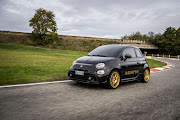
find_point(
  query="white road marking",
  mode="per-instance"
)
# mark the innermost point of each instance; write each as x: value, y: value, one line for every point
x: 30, y: 84
x: 160, y: 68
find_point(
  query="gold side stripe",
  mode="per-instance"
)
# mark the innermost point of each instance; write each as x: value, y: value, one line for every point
x: 131, y: 72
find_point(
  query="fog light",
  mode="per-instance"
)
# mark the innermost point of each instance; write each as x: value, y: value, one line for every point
x: 89, y: 78
x: 100, y: 72
x: 70, y: 75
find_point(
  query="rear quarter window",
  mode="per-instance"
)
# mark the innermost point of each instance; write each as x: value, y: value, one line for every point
x: 138, y: 53
x: 129, y: 51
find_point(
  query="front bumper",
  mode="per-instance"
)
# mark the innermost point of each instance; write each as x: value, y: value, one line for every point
x: 87, y: 78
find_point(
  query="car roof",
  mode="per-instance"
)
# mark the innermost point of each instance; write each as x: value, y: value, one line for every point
x: 121, y: 45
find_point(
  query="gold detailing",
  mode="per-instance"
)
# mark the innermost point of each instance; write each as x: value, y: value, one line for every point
x: 132, y: 72
x: 146, y: 75
x: 115, y: 80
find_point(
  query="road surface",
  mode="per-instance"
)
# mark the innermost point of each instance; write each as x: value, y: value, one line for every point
x: 159, y: 99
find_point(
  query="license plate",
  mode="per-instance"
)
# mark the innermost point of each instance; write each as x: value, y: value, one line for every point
x: 79, y: 72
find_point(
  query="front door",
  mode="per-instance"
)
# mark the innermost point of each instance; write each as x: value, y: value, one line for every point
x: 130, y: 66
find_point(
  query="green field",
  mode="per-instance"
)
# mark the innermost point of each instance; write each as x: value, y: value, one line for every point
x: 26, y: 64
x: 154, y: 63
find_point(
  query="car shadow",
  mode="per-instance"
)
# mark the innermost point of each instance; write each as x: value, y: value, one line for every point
x: 102, y: 86
x: 89, y: 86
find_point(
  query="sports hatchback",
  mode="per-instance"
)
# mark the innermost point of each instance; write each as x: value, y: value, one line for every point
x: 112, y: 65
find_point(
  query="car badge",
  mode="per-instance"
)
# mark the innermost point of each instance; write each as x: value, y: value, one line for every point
x: 81, y: 66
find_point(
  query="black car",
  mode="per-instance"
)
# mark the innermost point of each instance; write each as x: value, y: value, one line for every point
x: 110, y: 64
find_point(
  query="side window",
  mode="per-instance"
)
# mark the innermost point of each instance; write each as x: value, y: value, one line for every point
x: 138, y: 53
x: 129, y: 51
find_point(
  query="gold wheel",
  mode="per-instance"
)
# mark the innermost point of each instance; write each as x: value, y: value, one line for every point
x: 114, y: 79
x: 146, y: 75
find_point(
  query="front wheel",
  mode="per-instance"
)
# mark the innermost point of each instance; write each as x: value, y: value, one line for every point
x: 146, y: 75
x: 114, y: 79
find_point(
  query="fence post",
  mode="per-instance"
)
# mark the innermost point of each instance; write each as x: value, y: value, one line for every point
x: 152, y: 55
x: 144, y: 55
x: 169, y: 56
x: 163, y: 55
x: 178, y: 56
x: 157, y: 55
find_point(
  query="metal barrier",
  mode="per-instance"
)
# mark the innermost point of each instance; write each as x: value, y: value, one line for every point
x: 166, y: 56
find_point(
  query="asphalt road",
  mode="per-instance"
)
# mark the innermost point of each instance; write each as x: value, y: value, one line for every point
x: 157, y: 100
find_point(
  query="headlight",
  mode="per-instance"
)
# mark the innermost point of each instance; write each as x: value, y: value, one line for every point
x: 100, y: 65
x: 100, y: 72
x: 73, y: 62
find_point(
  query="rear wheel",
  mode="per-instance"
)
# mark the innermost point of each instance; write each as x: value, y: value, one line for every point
x: 146, y: 75
x: 114, y: 79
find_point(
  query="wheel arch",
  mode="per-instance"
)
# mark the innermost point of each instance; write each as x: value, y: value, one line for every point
x: 146, y: 66
x: 117, y: 69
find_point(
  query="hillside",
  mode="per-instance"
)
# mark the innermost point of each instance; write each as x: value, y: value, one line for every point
x: 65, y: 42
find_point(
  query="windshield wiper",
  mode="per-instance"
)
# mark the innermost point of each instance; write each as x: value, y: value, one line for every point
x: 99, y: 55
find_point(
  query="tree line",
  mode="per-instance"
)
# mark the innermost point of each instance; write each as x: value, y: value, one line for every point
x: 167, y: 42
x: 138, y: 36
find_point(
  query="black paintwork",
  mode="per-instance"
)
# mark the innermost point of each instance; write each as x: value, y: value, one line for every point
x: 117, y: 62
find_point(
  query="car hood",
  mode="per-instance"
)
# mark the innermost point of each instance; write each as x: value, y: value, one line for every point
x: 93, y: 59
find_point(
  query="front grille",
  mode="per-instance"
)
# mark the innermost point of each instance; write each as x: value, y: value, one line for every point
x: 85, y: 77
x: 85, y: 67
x: 82, y: 78
x: 81, y: 70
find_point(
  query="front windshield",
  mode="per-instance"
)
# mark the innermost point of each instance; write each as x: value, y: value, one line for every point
x: 106, y: 51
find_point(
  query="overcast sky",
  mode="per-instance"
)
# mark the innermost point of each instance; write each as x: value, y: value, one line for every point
x: 94, y: 18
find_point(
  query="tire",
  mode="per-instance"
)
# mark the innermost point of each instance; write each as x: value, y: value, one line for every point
x: 114, y: 79
x: 146, y: 75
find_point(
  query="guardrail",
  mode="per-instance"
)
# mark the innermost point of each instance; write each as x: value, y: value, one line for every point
x: 166, y: 56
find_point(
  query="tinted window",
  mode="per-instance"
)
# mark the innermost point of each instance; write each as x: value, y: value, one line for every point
x: 106, y: 51
x: 129, y: 51
x: 138, y: 53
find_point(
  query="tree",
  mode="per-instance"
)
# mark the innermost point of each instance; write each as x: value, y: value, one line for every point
x: 145, y: 37
x: 151, y: 34
x: 44, y: 25
x: 138, y: 36
x: 125, y: 37
x: 169, y: 41
x: 177, y: 47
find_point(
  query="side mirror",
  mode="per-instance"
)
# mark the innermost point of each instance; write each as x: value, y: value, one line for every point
x: 128, y: 56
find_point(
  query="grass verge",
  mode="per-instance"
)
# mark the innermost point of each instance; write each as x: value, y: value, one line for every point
x: 27, y: 64
x: 154, y: 63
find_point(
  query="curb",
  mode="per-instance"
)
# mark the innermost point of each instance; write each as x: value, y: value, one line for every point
x: 31, y: 84
x: 159, y: 69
